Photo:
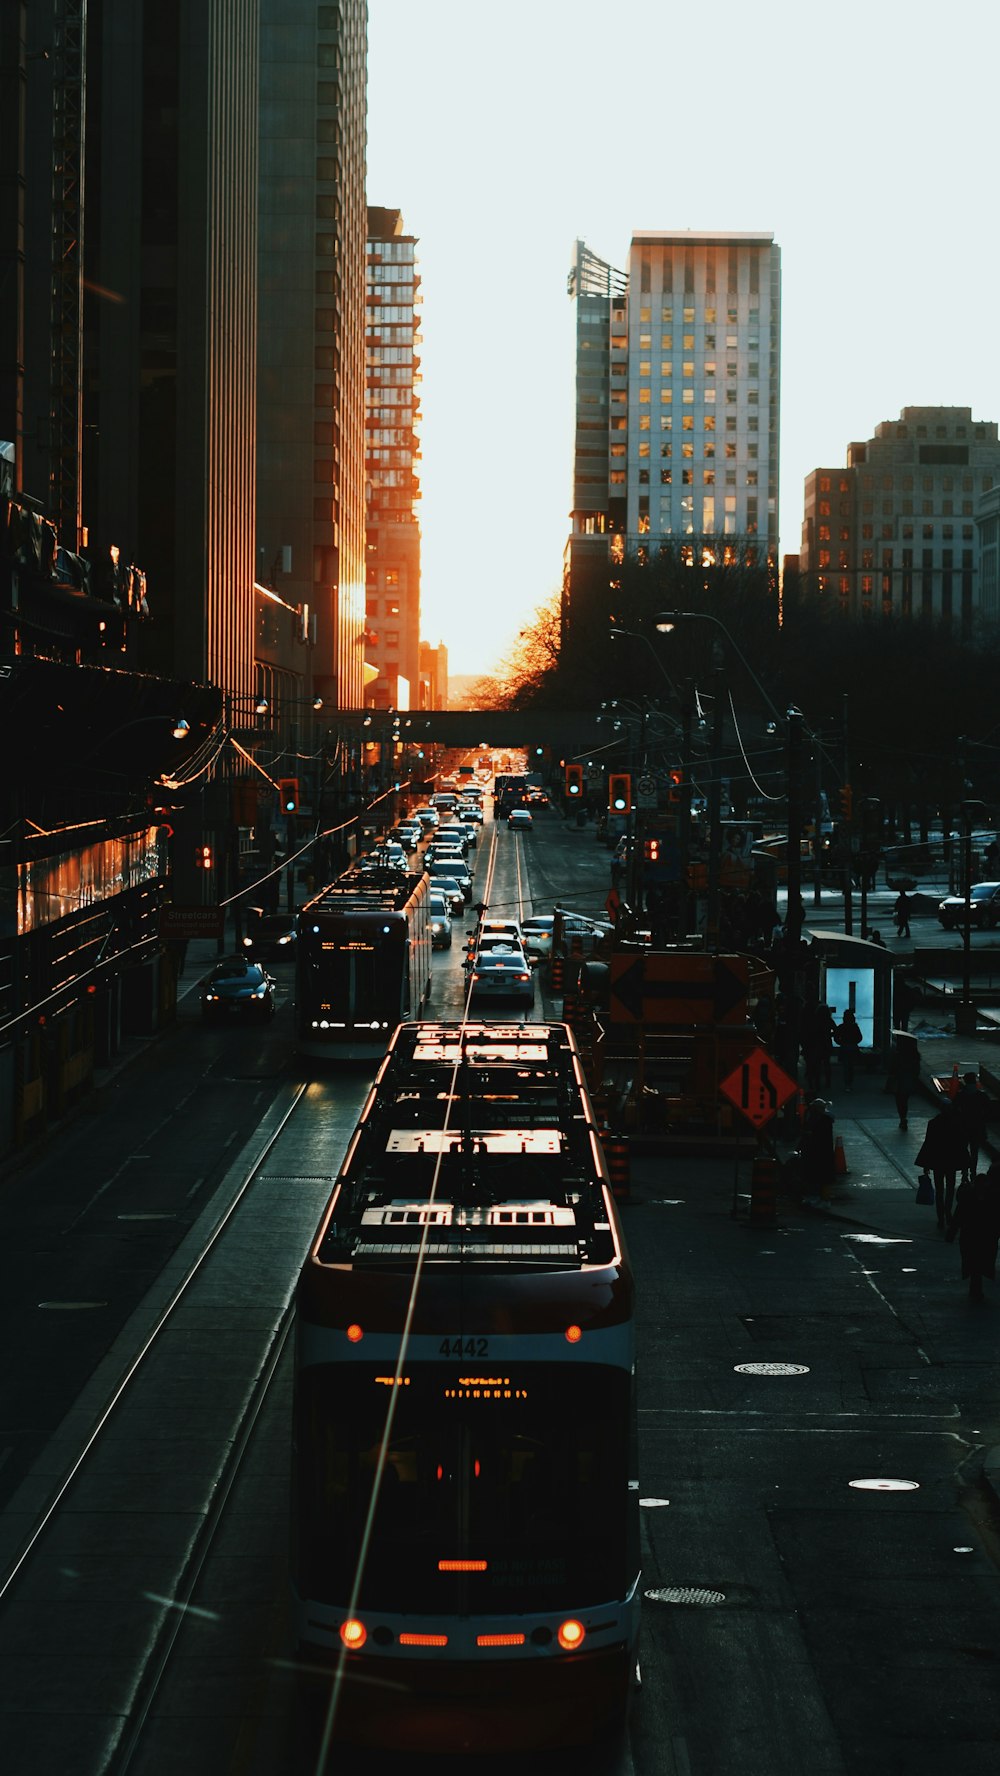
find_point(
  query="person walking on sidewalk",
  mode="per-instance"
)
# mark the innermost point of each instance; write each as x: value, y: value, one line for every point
x: 901, y: 913
x: 944, y: 1153
x: 904, y: 1073
x: 848, y: 1037
x: 972, y: 1111
x: 976, y: 1222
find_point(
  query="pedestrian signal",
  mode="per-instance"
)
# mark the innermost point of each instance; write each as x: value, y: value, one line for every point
x: 846, y: 802
x: 676, y: 779
x: 619, y: 792
x: 574, y: 780
x: 203, y: 858
x: 651, y: 850
x: 288, y: 794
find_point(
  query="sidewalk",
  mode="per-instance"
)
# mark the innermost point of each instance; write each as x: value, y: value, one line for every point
x: 877, y: 1194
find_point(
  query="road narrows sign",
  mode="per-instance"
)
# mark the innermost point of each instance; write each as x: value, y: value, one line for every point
x: 758, y: 1087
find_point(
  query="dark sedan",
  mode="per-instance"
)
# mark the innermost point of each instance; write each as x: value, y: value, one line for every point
x: 984, y: 907
x: 270, y: 937
x: 237, y: 988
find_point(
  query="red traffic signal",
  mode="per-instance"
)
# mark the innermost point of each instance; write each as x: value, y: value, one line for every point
x: 676, y: 779
x: 846, y: 801
x: 203, y: 858
x: 288, y: 794
x: 574, y: 780
x: 619, y: 792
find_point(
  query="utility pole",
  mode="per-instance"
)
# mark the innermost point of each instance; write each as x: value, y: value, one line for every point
x: 715, y: 807
x: 848, y: 835
x: 793, y: 911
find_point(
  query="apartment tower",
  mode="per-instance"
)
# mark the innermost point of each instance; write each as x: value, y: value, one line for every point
x: 678, y: 391
x: 392, y: 409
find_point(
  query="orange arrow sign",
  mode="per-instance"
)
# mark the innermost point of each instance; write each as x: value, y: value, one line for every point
x: 758, y: 1087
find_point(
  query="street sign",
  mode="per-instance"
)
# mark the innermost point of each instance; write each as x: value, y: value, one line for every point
x: 191, y: 921
x: 670, y: 989
x: 758, y: 1087
x: 645, y: 792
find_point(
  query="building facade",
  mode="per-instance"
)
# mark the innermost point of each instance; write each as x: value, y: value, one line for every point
x: 392, y: 412
x: 894, y: 532
x: 310, y: 544
x: 678, y: 395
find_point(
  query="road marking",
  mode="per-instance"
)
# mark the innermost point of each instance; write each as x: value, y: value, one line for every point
x: 190, y: 1609
x: 867, y: 1274
x: 70, y: 1306
x: 758, y: 1412
x: 196, y: 1186
x: 149, y: 1215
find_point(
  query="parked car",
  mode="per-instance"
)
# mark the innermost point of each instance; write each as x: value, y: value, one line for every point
x: 440, y: 910
x: 502, y: 975
x: 269, y: 937
x: 984, y: 907
x: 520, y: 820
x: 237, y: 988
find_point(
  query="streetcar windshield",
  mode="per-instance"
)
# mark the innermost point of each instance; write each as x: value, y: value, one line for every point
x: 524, y: 1469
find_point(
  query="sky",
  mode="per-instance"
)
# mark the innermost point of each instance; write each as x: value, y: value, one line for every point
x: 861, y: 135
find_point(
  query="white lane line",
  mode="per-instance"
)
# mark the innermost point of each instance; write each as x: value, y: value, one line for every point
x: 196, y: 1186
x: 867, y: 1274
x: 105, y: 1186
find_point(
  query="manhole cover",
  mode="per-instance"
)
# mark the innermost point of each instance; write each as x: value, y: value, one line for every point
x: 685, y: 1594
x: 771, y: 1368
x: 885, y: 1485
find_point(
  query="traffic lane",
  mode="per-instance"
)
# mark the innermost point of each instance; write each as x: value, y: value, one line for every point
x: 811, y: 1572
x: 92, y: 1217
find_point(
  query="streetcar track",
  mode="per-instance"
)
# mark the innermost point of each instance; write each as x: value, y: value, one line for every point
x: 122, y: 1389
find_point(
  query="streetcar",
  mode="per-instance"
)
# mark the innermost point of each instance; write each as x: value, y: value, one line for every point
x: 362, y: 963
x: 465, y: 1544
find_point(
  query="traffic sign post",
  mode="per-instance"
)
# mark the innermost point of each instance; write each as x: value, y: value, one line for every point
x: 757, y: 1088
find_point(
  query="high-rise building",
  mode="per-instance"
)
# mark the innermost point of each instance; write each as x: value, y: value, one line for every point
x: 311, y: 369
x: 678, y: 387
x: 894, y: 533
x: 392, y: 409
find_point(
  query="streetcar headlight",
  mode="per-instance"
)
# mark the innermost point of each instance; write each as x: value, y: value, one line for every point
x: 570, y: 1636
x: 353, y: 1634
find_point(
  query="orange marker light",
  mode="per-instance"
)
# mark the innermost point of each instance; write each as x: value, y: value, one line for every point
x: 461, y: 1566
x: 423, y: 1640
x: 355, y: 1333
x: 574, y: 1334
x: 500, y: 1639
x: 571, y: 1635
x: 353, y: 1634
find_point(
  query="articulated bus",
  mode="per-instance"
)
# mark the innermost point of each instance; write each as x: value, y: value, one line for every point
x: 465, y: 1502
x: 362, y: 963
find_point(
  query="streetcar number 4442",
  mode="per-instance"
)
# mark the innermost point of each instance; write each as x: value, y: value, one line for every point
x: 464, y: 1347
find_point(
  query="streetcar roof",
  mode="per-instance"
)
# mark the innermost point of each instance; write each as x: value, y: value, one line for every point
x: 477, y: 1143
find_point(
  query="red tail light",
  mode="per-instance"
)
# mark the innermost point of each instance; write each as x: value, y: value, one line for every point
x: 571, y: 1635
x: 353, y: 1634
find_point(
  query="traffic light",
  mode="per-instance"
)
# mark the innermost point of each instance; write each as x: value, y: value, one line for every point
x: 574, y: 780
x: 203, y: 858
x: 288, y: 794
x: 651, y: 850
x: 846, y: 802
x: 619, y: 792
x: 676, y: 779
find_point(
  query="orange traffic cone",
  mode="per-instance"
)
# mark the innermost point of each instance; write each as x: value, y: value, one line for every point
x: 840, y: 1165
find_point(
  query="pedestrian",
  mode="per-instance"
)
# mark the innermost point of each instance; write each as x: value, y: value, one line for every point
x: 904, y: 999
x: 972, y: 1109
x: 904, y: 1073
x: 944, y: 1153
x: 816, y: 1034
x: 901, y: 913
x: 876, y: 937
x: 976, y: 1222
x: 816, y: 1150
x: 848, y: 1037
